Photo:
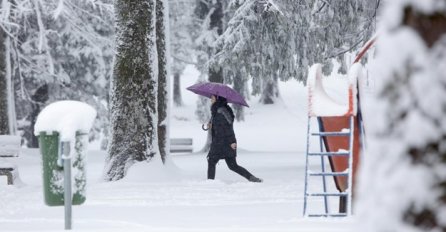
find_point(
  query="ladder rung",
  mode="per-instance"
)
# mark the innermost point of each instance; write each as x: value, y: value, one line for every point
x: 329, y: 153
x: 328, y: 194
x: 329, y: 174
x: 331, y: 134
x: 328, y: 215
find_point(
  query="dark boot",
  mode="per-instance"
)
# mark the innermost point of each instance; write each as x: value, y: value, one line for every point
x: 255, y: 179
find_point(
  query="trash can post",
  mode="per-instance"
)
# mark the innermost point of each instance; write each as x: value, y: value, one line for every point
x: 66, y: 158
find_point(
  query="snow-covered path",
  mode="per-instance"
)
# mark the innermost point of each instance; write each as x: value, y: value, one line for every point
x: 177, y: 198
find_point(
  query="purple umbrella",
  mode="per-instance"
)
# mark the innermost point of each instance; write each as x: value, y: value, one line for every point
x: 211, y: 88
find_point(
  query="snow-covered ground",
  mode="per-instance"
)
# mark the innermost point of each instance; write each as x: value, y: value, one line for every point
x: 177, y: 197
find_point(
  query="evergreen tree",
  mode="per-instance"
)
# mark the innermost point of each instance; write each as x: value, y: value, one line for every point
x: 64, y: 47
x: 279, y: 40
x: 182, y: 53
x: 215, y: 73
x: 209, y: 18
x: 133, y: 103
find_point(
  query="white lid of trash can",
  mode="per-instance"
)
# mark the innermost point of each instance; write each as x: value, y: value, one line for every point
x: 65, y: 117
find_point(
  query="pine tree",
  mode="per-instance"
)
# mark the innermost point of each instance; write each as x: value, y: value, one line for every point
x: 215, y: 73
x: 209, y: 14
x: 62, y: 46
x: 279, y: 40
x: 181, y: 45
x: 406, y: 157
x: 133, y: 103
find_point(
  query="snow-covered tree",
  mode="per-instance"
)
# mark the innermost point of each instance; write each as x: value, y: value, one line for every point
x: 163, y: 98
x: 133, y: 101
x: 181, y: 44
x: 8, y: 123
x: 278, y: 40
x: 59, y: 50
x: 403, y: 178
x: 209, y: 18
x: 235, y: 69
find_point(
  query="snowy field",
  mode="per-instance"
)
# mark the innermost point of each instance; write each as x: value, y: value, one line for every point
x: 178, y: 197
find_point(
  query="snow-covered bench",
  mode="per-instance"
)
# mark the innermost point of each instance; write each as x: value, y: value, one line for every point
x: 9, y: 147
x: 181, y: 145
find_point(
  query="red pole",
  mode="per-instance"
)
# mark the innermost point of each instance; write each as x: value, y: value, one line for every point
x: 364, y: 49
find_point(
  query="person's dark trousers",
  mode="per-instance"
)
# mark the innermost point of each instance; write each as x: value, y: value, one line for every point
x: 232, y: 164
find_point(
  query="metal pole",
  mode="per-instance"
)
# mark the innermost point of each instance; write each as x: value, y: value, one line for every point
x: 350, y: 166
x: 67, y: 184
x: 324, y: 183
x: 306, y: 168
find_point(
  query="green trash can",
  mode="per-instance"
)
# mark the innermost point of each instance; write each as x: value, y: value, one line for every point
x: 53, y: 174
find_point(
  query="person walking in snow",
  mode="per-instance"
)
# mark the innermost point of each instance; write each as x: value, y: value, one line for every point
x: 224, y: 143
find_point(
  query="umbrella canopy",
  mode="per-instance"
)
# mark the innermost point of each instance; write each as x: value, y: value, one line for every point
x: 208, y: 89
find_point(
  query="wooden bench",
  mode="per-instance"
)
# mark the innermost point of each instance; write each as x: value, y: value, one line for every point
x: 181, y: 145
x: 9, y: 147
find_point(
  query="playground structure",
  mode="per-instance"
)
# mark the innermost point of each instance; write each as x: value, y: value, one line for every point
x: 341, y: 137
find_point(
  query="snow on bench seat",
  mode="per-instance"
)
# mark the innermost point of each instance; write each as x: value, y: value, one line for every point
x: 9, y: 145
x: 181, y: 145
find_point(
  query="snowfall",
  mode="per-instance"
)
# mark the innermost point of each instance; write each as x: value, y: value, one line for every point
x: 177, y: 196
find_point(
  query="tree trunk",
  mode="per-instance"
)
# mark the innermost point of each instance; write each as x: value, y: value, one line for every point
x: 4, y: 115
x: 270, y: 90
x: 161, y: 47
x: 177, y: 99
x: 239, y: 86
x: 39, y: 99
x: 133, y: 100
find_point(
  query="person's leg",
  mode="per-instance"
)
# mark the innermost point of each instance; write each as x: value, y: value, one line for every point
x: 211, y: 167
x: 232, y: 164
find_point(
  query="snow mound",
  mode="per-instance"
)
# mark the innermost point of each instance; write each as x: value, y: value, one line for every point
x: 153, y: 171
x: 65, y: 117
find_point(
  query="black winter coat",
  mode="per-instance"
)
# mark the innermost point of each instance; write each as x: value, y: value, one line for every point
x: 222, y: 134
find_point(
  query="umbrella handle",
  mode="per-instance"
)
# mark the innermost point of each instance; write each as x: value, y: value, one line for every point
x: 205, y: 129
